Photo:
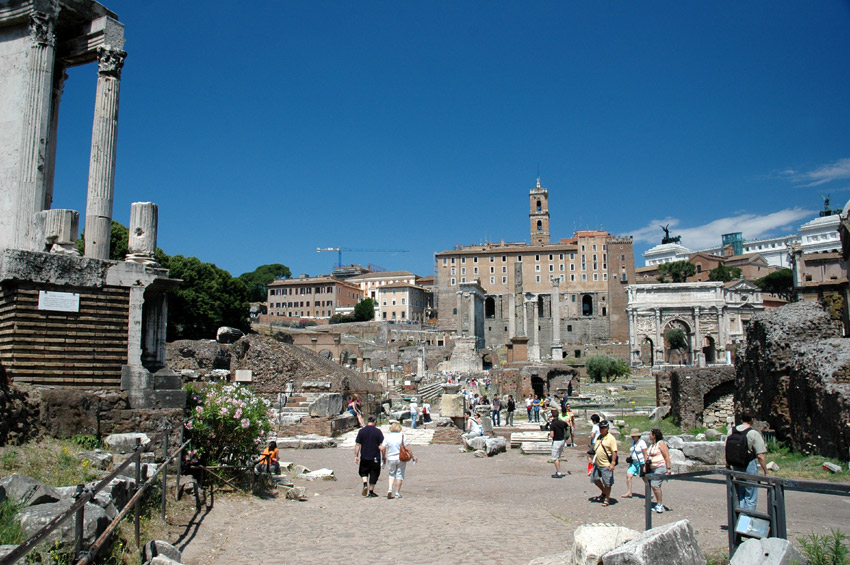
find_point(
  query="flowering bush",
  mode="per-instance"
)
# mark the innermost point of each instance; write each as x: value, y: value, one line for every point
x: 228, y: 424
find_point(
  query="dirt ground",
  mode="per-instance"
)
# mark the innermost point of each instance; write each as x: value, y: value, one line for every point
x: 458, y: 508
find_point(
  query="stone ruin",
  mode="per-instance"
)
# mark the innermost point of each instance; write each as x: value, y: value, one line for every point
x: 698, y: 397
x: 795, y: 375
x: 87, y: 322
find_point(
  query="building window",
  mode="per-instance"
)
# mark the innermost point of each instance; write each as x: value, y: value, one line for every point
x: 492, y: 259
x: 594, y: 247
x: 453, y: 270
x: 463, y: 280
x: 475, y: 259
x: 596, y: 276
x: 492, y: 280
x: 572, y: 278
x: 504, y: 269
x: 492, y: 270
x: 453, y: 260
x: 551, y: 268
x: 453, y: 282
x: 538, y: 278
x: 463, y: 270
x: 604, y: 276
x: 504, y: 280
x: 402, y: 300
x: 463, y: 260
x: 537, y: 257
x: 504, y: 258
x: 519, y: 258
x: 444, y: 261
x: 569, y: 327
x: 562, y: 278
x: 583, y: 277
x: 551, y: 256
x: 561, y: 268
x: 475, y: 270
x: 537, y: 269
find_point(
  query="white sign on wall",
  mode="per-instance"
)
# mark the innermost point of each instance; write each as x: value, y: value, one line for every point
x: 59, y: 301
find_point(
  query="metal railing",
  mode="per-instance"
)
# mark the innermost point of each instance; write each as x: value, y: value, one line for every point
x: 85, y: 495
x: 734, y: 480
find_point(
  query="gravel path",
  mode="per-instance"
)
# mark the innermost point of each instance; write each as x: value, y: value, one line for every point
x: 459, y: 509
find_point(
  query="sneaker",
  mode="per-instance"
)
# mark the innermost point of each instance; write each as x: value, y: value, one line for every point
x: 390, y: 495
x: 365, y: 490
x: 658, y: 508
x: 558, y: 476
x: 398, y: 495
x: 371, y: 495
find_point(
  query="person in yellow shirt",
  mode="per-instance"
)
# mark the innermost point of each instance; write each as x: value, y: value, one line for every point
x: 604, y: 461
x: 269, y: 460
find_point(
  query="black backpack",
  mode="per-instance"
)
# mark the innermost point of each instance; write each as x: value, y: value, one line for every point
x: 737, y: 452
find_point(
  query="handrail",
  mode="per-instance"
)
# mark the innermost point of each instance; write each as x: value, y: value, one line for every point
x: 85, y: 496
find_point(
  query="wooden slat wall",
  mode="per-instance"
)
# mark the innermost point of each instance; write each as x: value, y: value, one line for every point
x: 83, y: 349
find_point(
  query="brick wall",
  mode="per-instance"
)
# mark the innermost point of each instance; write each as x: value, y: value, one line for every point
x: 78, y: 349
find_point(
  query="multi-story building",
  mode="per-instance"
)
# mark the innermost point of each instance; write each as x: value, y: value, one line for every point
x: 311, y: 297
x: 400, y: 302
x: 561, y: 296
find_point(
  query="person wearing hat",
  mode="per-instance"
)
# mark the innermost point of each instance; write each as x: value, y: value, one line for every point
x: 604, y: 461
x: 635, y: 460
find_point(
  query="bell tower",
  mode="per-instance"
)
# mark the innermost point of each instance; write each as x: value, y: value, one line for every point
x: 539, y: 214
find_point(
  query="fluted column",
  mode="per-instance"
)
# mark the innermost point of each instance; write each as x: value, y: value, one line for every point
x: 32, y: 188
x: 556, y: 317
x: 511, y: 316
x: 459, y: 313
x: 103, y: 145
x: 50, y: 167
x: 143, y: 229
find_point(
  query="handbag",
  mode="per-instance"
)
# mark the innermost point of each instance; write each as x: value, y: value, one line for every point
x: 404, y: 454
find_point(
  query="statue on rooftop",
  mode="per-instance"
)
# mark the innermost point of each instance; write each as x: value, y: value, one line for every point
x: 667, y: 238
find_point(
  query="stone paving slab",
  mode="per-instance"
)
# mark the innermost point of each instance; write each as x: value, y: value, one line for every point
x: 419, y: 436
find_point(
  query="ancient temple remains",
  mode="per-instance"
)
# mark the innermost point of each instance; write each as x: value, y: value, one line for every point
x: 66, y: 320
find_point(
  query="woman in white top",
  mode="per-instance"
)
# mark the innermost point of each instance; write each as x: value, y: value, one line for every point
x: 637, y: 460
x: 395, y: 467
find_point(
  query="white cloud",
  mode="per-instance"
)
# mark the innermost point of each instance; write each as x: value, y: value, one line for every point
x: 820, y: 175
x: 709, y: 235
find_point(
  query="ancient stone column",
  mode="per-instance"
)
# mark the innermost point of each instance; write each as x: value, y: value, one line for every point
x: 32, y: 186
x: 50, y: 166
x: 534, y: 354
x: 659, y: 339
x: 511, y: 316
x: 60, y: 230
x: 472, y: 328
x: 143, y: 229
x: 103, y: 146
x: 557, y: 350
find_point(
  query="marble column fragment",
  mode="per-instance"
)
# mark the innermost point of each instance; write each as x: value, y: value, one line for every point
x: 557, y: 350
x: 32, y: 190
x: 103, y: 147
x: 143, y: 231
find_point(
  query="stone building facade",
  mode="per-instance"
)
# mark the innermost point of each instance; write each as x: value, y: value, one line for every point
x: 713, y: 315
x: 65, y: 320
x: 562, y: 296
x: 311, y: 297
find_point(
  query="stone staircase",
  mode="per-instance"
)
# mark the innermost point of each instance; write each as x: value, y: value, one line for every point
x: 297, y: 406
x: 431, y: 392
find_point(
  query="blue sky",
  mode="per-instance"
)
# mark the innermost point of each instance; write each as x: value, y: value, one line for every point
x: 265, y: 132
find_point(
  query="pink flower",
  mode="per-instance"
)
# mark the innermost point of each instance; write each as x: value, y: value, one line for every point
x: 188, y: 425
x: 237, y: 414
x: 224, y: 411
x: 198, y: 409
x: 246, y: 422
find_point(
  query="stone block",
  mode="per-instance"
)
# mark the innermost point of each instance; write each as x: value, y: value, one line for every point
x: 480, y: 453
x: 831, y: 467
x: 327, y: 406
x: 162, y: 560
x: 670, y: 543
x: 495, y: 445
x: 708, y: 452
x: 98, y: 458
x: 318, y: 475
x: 296, y: 493
x: 592, y: 541
x: 244, y: 376
x: 452, y: 405
x: 125, y: 443
x: 673, y: 442
x: 677, y: 456
x: 34, y: 518
x: 713, y: 435
x: 659, y: 413
x: 477, y: 443
x: 767, y: 551
x: 27, y: 491
x: 772, y: 466
x: 444, y: 422
x: 226, y: 334
x: 158, y: 547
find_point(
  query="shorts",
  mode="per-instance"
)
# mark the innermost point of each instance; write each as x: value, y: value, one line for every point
x: 662, y: 470
x: 557, y: 449
x: 603, y: 474
x: 370, y: 468
x: 395, y: 469
x: 634, y: 468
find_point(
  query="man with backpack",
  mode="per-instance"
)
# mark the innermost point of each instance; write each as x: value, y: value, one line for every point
x: 744, y: 446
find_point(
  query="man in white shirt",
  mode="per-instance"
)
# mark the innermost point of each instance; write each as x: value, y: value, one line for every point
x: 414, y: 413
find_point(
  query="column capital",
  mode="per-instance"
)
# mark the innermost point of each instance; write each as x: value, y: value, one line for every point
x: 42, y: 26
x: 110, y: 61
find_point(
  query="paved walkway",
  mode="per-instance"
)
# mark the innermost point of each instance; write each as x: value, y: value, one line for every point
x: 459, y: 509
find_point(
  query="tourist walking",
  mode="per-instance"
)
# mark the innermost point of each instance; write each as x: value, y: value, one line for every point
x: 594, y: 430
x: 368, y: 444
x: 496, y: 411
x: 414, y: 413
x: 744, y: 447
x: 636, y: 460
x: 395, y: 466
x: 658, y: 461
x: 558, y: 434
x: 528, y: 402
x: 571, y: 422
x: 509, y: 418
x: 426, y: 414
x: 535, y: 408
x: 604, y: 460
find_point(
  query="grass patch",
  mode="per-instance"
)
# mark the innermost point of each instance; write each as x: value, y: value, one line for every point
x: 794, y: 465
x: 53, y: 462
x: 645, y: 423
x: 825, y: 550
x: 717, y: 557
x: 10, y: 527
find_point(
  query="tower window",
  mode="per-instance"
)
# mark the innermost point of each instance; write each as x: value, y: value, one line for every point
x: 539, y: 225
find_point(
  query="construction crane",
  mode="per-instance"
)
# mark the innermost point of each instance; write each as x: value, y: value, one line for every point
x: 339, y: 251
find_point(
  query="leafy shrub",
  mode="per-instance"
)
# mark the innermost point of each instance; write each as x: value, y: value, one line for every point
x: 228, y: 424
x: 604, y: 367
x: 827, y: 549
x: 86, y: 442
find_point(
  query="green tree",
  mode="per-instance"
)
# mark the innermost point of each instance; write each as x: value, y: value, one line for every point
x: 678, y: 271
x: 207, y: 298
x: 257, y: 281
x: 118, y: 242
x: 603, y: 367
x: 365, y: 310
x: 723, y: 273
x: 780, y: 283
x: 676, y: 339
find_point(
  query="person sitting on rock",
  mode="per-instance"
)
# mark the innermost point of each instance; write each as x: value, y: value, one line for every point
x: 474, y: 428
x: 269, y: 460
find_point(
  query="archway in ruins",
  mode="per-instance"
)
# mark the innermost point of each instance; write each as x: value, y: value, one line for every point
x: 348, y: 358
x: 647, y: 352
x: 326, y: 353
x: 539, y: 386
x: 678, y: 356
x: 487, y: 361
x: 709, y: 350
x: 718, y: 406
